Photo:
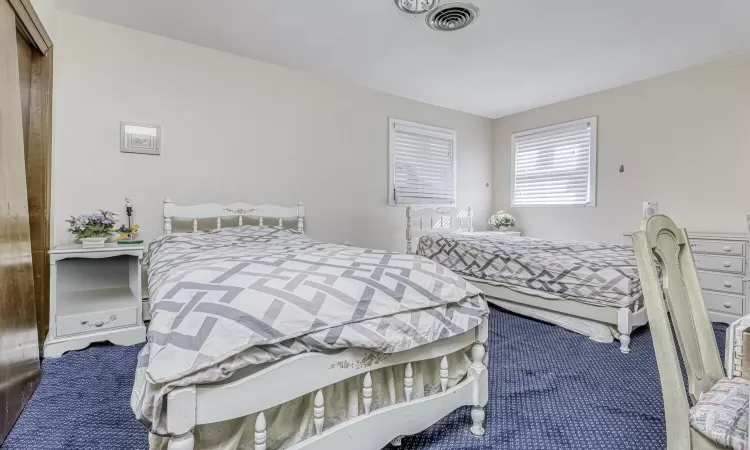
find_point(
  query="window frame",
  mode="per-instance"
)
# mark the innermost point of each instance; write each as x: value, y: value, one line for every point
x: 592, y: 163
x: 429, y: 129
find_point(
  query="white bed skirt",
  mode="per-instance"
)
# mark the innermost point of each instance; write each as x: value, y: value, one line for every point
x: 596, y: 331
x: 292, y: 422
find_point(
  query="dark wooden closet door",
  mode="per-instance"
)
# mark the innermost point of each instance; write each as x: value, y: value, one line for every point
x: 19, y: 346
x: 35, y: 79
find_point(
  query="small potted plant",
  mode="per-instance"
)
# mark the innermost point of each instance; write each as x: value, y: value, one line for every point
x: 92, y: 230
x: 502, y: 221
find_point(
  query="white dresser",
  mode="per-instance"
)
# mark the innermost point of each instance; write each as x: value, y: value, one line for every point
x: 721, y: 260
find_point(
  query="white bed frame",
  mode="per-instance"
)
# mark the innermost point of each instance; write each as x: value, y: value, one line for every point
x: 255, y: 389
x: 624, y: 319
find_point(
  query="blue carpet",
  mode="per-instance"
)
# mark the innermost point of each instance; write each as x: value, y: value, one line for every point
x: 549, y: 389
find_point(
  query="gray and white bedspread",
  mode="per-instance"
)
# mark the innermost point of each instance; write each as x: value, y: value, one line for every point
x: 235, y: 297
x: 588, y: 272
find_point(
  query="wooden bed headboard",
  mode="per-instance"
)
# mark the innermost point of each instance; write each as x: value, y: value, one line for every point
x: 217, y: 211
x: 425, y: 220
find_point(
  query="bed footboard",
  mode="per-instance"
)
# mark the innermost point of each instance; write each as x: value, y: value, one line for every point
x: 187, y: 407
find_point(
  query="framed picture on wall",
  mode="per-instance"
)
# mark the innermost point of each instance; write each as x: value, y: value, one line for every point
x: 140, y: 138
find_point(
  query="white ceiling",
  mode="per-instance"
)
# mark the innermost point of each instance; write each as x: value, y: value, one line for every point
x: 520, y: 54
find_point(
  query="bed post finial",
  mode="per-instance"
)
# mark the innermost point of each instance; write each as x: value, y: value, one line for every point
x: 300, y: 215
x: 471, y: 220
x: 408, y: 229
x: 167, y: 209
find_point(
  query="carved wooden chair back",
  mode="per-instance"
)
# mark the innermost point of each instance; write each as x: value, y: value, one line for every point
x: 676, y: 294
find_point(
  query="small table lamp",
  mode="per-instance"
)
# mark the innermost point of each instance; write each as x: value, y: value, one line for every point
x: 126, y: 233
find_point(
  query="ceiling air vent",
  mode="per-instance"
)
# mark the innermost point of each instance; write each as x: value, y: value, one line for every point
x: 452, y: 16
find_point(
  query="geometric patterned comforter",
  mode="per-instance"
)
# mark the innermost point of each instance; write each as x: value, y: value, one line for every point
x: 588, y: 272
x: 230, y: 298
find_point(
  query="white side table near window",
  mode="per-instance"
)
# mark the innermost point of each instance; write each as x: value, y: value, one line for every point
x: 95, y: 296
x: 508, y: 232
x: 512, y: 232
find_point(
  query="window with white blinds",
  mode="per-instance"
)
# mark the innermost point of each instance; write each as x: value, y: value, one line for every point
x: 555, y: 165
x: 422, y: 165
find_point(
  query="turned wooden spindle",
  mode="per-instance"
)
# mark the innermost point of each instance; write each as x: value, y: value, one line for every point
x: 281, y: 222
x: 218, y: 223
x: 240, y: 221
x: 260, y: 432
x: 444, y: 373
x: 260, y: 222
x: 479, y: 371
x: 408, y: 381
x: 319, y: 412
x: 367, y: 392
x: 300, y: 221
x: 168, y: 207
x: 477, y: 355
x: 195, y: 225
x: 408, y: 229
x: 390, y: 379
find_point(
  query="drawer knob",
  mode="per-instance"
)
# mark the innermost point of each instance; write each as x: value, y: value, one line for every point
x: 99, y: 323
x: 727, y: 264
x: 727, y: 305
x: 728, y: 284
x: 727, y: 248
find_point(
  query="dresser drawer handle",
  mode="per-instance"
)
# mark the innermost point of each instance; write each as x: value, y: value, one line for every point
x: 727, y: 248
x: 727, y: 264
x: 727, y: 305
x: 728, y: 284
x: 98, y: 323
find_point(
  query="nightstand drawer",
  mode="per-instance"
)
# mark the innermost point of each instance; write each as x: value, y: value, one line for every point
x: 725, y: 303
x: 718, y: 247
x: 722, y: 282
x: 731, y: 264
x: 96, y: 321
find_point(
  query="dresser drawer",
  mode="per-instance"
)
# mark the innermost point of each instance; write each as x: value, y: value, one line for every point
x: 719, y: 247
x: 725, y: 303
x: 97, y: 321
x: 722, y: 282
x: 732, y: 264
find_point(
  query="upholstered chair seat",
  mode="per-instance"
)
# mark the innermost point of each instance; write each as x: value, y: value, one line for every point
x: 721, y: 413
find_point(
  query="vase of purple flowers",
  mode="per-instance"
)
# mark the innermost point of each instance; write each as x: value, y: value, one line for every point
x: 92, y: 230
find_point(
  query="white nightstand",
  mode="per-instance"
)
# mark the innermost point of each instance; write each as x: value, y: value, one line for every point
x: 509, y: 232
x: 506, y: 233
x: 95, y: 295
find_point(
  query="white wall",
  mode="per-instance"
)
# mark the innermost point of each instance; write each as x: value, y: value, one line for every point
x: 47, y: 12
x: 234, y: 129
x: 683, y: 138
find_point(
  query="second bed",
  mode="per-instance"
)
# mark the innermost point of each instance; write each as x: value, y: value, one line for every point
x: 587, y: 287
